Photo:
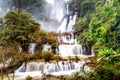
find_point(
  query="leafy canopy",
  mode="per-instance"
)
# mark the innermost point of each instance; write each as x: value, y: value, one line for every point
x: 20, y: 28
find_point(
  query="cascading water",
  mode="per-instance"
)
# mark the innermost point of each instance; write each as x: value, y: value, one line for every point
x: 70, y: 50
x: 68, y: 43
x: 68, y: 47
x: 55, y: 68
x: 46, y: 47
x: 32, y: 48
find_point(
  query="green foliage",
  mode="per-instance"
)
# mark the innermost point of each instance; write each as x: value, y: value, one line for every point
x: 18, y: 28
x: 82, y: 6
x: 1, y: 22
x: 51, y: 39
x: 106, y: 51
x: 29, y: 6
x: 108, y: 68
x: 23, y: 30
x: 100, y: 27
x: 76, y: 76
x: 46, y: 56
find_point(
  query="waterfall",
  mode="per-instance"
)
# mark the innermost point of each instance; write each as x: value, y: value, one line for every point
x: 70, y: 50
x: 36, y: 69
x: 32, y: 48
x: 22, y: 68
x: 68, y: 45
x: 46, y: 47
x: 51, y: 67
x: 68, y: 42
x: 35, y: 66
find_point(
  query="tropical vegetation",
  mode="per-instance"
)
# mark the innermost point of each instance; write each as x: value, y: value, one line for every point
x: 97, y: 27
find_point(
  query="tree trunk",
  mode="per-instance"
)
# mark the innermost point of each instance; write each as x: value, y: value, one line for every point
x: 13, y: 75
x: 1, y: 73
x: 7, y: 76
x: 19, y: 6
x: 89, y: 49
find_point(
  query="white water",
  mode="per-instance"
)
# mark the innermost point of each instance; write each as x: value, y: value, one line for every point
x: 70, y: 50
x: 32, y: 48
x: 52, y: 67
x: 68, y: 47
x: 46, y: 47
x: 37, y: 69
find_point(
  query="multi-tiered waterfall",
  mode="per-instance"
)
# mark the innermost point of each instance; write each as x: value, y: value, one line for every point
x: 67, y: 39
x: 68, y: 47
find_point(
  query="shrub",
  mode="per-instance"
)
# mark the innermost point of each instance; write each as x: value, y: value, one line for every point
x: 48, y: 56
x: 109, y: 69
x: 56, y: 57
x: 28, y: 78
x: 39, y: 55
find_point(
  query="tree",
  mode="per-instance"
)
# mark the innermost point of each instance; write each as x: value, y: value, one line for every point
x: 8, y: 59
x: 85, y: 11
x: 35, y: 7
x: 21, y: 29
x: 18, y: 28
x: 103, y: 31
x: 100, y: 28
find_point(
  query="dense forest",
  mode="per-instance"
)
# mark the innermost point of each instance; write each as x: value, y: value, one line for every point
x: 97, y: 27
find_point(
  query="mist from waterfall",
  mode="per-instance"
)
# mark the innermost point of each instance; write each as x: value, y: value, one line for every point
x: 56, y: 9
x: 3, y: 8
